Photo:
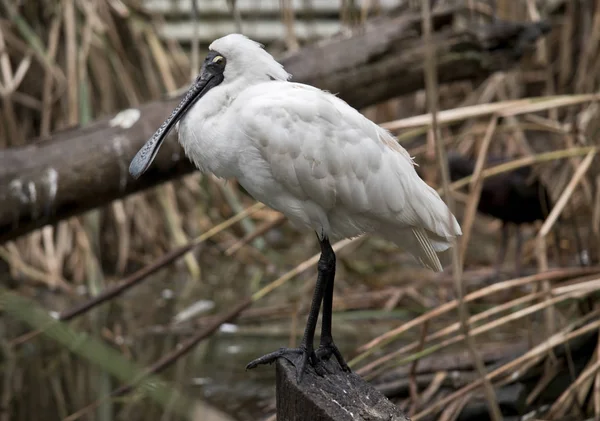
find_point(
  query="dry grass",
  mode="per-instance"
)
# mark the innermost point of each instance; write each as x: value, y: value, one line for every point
x: 69, y: 62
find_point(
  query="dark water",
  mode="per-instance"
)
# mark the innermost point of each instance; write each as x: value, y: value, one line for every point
x: 215, y: 370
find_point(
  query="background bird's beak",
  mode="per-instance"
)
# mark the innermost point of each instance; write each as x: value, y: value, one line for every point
x: 207, y: 79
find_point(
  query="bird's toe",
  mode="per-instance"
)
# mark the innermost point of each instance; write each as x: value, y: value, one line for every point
x: 271, y: 357
x: 301, y: 358
x: 326, y: 350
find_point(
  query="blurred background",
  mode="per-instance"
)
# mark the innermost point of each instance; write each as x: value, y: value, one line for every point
x: 518, y: 84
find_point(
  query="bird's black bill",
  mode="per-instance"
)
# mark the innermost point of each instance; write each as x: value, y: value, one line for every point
x: 141, y: 161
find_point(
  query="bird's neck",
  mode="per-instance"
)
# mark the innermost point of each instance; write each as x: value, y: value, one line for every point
x: 203, y: 133
x: 238, y: 85
x: 206, y: 131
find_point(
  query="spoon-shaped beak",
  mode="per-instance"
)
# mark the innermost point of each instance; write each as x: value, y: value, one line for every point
x: 210, y: 77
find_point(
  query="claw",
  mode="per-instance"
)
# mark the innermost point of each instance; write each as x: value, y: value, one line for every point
x: 273, y: 356
x: 327, y: 349
x: 307, y: 356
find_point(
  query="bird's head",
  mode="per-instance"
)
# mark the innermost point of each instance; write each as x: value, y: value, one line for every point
x: 232, y: 60
x: 246, y: 60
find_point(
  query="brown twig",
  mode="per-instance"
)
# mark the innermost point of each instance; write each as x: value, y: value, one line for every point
x: 555, y: 340
x: 279, y: 220
x: 71, y: 57
x: 186, y: 346
x: 561, y: 294
x: 549, y: 223
x: 431, y: 89
x: 141, y: 274
x: 413, y: 387
x: 167, y: 359
x: 138, y: 276
x: 476, y: 186
x: 389, y: 336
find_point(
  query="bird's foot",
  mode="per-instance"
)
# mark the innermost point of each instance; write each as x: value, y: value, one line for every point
x: 292, y: 355
x: 328, y: 348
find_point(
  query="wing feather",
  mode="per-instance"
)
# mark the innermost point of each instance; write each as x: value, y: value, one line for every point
x: 322, y: 150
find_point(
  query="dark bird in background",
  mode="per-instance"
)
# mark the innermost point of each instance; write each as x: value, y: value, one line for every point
x: 515, y: 197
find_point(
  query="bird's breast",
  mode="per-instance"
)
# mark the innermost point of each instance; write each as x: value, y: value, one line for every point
x: 207, y: 141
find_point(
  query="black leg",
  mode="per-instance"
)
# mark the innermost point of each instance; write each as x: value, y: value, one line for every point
x: 306, y: 346
x: 327, y: 347
x: 502, y: 250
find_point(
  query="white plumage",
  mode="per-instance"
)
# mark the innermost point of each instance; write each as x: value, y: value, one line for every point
x: 311, y: 156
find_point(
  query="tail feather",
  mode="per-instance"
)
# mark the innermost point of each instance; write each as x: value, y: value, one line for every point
x: 426, y: 253
x: 426, y: 247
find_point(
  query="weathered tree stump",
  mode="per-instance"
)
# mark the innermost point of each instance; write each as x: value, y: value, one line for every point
x: 337, y: 396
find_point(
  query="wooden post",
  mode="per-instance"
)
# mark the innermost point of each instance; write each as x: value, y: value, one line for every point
x: 337, y: 396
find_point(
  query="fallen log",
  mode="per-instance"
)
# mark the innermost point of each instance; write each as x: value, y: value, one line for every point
x: 82, y: 168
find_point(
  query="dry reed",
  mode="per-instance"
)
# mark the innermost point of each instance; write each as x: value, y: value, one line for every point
x: 69, y: 62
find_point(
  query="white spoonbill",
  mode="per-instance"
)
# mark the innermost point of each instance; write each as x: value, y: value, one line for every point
x: 309, y: 155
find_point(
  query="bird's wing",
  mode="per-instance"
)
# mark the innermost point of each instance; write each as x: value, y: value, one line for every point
x: 322, y: 149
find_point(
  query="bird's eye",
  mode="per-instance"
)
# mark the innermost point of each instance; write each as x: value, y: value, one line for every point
x: 217, y: 59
